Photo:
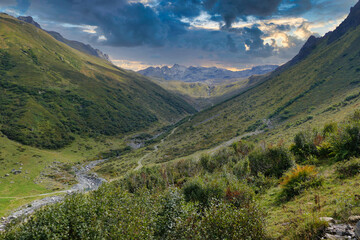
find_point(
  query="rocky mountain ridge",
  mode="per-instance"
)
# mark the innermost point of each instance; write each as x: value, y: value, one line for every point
x: 85, y: 48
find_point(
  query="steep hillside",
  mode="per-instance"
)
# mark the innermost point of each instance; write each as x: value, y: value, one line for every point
x: 50, y: 92
x: 320, y: 84
x: 85, y: 48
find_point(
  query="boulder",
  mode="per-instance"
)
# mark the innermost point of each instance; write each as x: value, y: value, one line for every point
x: 354, y: 219
x: 357, y: 230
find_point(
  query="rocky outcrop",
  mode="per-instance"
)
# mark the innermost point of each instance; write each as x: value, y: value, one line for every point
x: 30, y: 20
x: 352, y: 21
x: 336, y: 230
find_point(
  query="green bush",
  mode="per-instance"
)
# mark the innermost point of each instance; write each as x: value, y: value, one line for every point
x: 223, y: 221
x: 349, y: 168
x: 171, y: 210
x: 242, y: 169
x: 202, y: 194
x: 243, y: 148
x: 273, y: 161
x: 218, y: 160
x: 298, y: 180
x: 104, y: 214
x: 330, y: 128
x: 304, y: 146
x: 346, y: 143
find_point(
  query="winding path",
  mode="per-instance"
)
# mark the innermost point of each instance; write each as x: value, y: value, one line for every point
x: 156, y: 148
x: 87, y: 181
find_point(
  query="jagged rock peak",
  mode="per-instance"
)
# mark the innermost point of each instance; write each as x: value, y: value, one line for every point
x: 352, y: 21
x: 30, y: 20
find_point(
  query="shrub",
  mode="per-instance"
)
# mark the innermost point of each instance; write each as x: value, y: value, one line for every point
x: 299, y: 179
x: 242, y: 169
x: 243, y: 148
x: 260, y: 183
x: 218, y: 160
x: 202, y: 194
x: 223, y: 221
x: 304, y: 146
x: 103, y: 214
x: 273, y: 161
x: 346, y: 143
x: 171, y: 209
x: 329, y: 128
x: 349, y: 168
x: 240, y: 195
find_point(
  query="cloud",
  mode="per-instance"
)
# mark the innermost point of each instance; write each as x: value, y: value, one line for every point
x: 207, y: 31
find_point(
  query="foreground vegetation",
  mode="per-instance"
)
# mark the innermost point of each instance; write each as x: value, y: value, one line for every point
x: 242, y: 192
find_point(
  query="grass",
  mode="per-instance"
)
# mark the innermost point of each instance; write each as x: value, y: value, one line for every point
x: 34, y: 161
x: 330, y: 195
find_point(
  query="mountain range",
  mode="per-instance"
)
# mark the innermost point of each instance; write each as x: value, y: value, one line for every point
x: 201, y: 74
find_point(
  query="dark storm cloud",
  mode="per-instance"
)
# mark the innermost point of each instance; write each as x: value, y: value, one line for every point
x: 160, y: 23
x: 126, y: 23
x: 231, y: 10
x: 122, y: 23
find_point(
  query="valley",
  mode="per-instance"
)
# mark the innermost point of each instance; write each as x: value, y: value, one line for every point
x: 89, y: 150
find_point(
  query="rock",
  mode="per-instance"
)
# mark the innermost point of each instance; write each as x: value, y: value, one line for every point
x: 331, y: 237
x: 16, y: 172
x: 3, y: 219
x: 354, y: 219
x: 327, y: 219
x: 357, y: 230
x: 6, y: 175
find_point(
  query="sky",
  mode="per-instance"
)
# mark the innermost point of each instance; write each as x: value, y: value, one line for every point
x: 232, y: 34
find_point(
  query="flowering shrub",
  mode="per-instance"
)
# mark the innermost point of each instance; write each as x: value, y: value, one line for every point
x: 299, y: 179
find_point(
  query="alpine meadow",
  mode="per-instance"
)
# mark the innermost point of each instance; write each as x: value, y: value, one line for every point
x: 206, y: 119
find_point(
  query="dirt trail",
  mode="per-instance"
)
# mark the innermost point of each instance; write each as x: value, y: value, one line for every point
x: 156, y: 148
x: 87, y: 181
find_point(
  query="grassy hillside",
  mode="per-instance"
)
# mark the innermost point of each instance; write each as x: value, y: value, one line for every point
x: 323, y: 86
x: 50, y: 92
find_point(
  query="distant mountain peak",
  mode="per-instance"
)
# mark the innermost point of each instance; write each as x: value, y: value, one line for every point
x: 85, y: 48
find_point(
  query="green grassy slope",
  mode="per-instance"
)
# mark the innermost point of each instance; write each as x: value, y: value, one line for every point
x: 49, y: 91
x: 323, y: 86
